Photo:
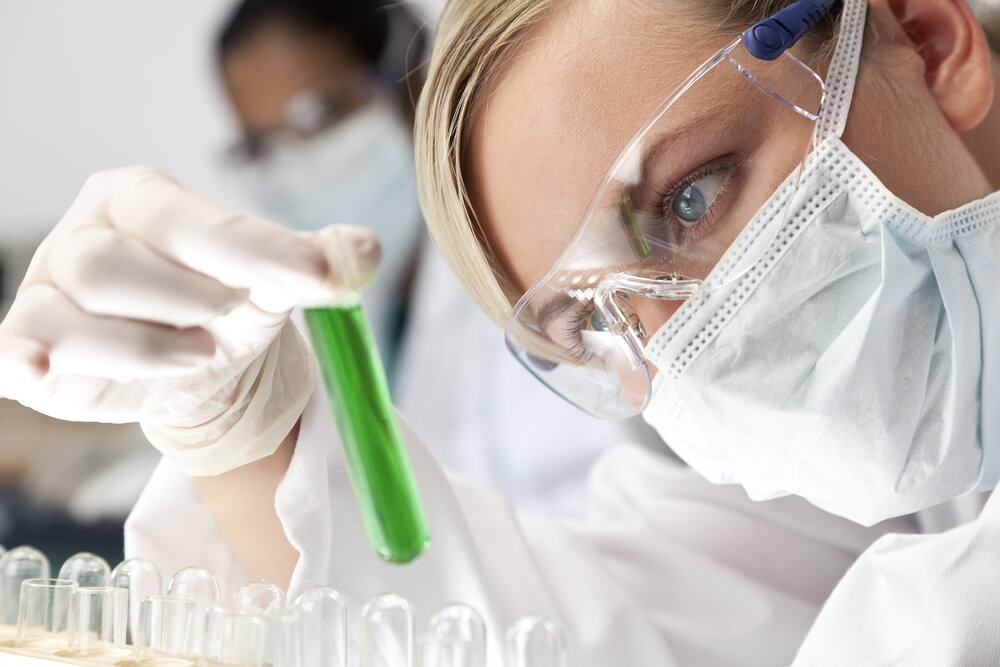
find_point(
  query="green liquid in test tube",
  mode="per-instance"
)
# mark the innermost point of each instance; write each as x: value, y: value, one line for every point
x: 373, y: 445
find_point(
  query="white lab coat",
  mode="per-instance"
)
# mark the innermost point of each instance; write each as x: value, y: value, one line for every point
x: 667, y: 570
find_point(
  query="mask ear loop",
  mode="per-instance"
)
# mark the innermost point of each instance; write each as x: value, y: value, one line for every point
x: 838, y: 87
x: 843, y: 71
x: 738, y: 267
x: 772, y: 37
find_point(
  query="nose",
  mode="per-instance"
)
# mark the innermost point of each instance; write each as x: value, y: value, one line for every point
x: 652, y: 314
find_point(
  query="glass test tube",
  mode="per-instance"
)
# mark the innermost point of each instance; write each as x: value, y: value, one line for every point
x: 87, y: 570
x: 17, y: 565
x: 534, y: 641
x: 373, y: 445
x: 165, y: 625
x: 261, y: 596
x: 386, y: 637
x: 435, y: 651
x: 289, y: 645
x: 256, y: 640
x: 460, y: 634
x: 220, y: 635
x: 201, y: 586
x: 322, y: 615
x: 97, y: 621
x: 141, y: 578
x: 43, y: 613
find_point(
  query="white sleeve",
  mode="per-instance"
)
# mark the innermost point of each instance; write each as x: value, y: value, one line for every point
x: 916, y: 600
x: 668, y: 570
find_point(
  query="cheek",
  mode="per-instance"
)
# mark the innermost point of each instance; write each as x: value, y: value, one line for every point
x: 636, y: 387
x: 896, y: 128
x: 654, y: 313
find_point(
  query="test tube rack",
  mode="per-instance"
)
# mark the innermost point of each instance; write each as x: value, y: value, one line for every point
x: 92, y: 615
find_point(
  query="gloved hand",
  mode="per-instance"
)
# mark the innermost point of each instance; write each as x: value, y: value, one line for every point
x: 148, y: 303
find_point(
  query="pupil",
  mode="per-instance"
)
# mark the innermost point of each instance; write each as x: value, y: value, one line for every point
x: 597, y: 322
x: 689, y: 204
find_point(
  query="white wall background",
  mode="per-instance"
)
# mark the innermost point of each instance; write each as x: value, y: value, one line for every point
x: 91, y: 84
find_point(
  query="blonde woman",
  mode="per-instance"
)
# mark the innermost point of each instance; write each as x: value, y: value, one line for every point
x: 783, y: 253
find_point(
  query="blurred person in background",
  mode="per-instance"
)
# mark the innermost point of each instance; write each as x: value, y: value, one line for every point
x: 323, y: 95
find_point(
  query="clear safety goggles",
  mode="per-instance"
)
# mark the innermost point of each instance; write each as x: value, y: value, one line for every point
x: 664, y: 216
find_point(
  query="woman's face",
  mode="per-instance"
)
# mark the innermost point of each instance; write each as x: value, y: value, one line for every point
x: 277, y: 62
x: 588, y: 78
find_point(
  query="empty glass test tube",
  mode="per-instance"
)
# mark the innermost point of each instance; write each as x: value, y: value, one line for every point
x: 87, y: 570
x: 373, y: 445
x: 322, y: 615
x: 386, y: 634
x: 165, y: 625
x: 43, y: 613
x: 261, y: 596
x: 457, y: 637
x: 141, y: 578
x: 534, y: 641
x: 17, y: 565
x: 199, y: 585
x: 97, y: 621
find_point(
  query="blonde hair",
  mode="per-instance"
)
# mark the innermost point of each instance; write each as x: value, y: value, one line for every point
x: 474, y: 42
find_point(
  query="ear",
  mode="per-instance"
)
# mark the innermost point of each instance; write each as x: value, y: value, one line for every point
x: 956, y: 56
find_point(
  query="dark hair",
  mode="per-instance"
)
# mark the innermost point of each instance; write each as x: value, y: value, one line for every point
x: 361, y: 25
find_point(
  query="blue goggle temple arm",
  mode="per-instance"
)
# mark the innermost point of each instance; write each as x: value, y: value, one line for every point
x: 773, y: 36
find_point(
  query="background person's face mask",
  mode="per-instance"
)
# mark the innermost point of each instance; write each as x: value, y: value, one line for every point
x: 857, y: 364
x: 357, y: 172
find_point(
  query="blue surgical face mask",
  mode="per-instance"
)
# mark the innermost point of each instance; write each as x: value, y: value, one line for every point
x: 357, y: 172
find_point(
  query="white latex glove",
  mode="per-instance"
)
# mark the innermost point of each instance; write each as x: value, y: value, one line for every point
x: 148, y: 303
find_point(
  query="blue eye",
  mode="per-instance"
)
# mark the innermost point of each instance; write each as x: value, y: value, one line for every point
x: 689, y: 204
x: 597, y: 322
x: 692, y: 201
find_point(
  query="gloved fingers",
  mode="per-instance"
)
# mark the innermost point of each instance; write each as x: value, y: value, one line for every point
x: 247, y: 329
x: 352, y: 253
x: 281, y: 268
x: 47, y: 329
x: 107, y: 273
x: 23, y: 363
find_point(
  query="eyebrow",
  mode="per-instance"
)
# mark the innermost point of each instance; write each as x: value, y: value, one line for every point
x: 636, y: 191
x: 667, y: 143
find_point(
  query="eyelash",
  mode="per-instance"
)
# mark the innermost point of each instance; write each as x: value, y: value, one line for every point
x: 574, y: 327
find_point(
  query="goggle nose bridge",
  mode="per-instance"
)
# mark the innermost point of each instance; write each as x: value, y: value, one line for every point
x: 627, y: 328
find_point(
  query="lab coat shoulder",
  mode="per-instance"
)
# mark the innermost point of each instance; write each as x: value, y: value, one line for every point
x: 916, y: 600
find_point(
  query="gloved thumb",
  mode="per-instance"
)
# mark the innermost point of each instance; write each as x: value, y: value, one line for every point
x: 23, y: 364
x: 353, y: 255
